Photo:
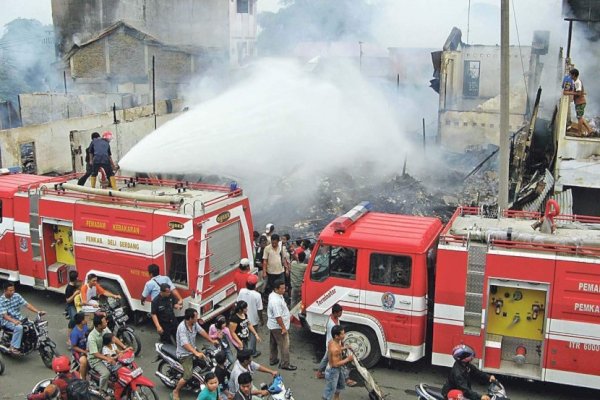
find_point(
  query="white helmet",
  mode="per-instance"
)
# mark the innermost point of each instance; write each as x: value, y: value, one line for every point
x: 245, y: 262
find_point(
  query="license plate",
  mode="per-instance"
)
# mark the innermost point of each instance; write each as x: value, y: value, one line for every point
x: 136, y: 372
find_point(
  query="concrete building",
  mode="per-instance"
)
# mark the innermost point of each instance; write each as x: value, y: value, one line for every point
x: 468, y: 82
x: 228, y: 26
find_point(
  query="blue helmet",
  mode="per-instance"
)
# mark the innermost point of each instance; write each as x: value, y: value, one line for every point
x: 464, y: 353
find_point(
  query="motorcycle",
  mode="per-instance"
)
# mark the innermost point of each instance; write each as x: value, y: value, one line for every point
x: 126, y: 381
x: 35, y: 337
x: 170, y: 370
x: 495, y: 391
x: 277, y: 389
x: 117, y: 322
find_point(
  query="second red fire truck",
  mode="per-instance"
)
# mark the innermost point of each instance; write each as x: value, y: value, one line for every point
x: 527, y: 302
x: 196, y: 233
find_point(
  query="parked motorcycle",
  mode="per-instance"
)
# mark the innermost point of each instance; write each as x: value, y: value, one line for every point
x: 170, y: 370
x: 35, y: 337
x: 495, y: 390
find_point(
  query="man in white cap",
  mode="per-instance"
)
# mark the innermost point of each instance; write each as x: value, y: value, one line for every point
x: 269, y: 232
x: 241, y: 275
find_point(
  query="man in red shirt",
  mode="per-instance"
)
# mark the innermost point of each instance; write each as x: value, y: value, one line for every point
x: 241, y: 275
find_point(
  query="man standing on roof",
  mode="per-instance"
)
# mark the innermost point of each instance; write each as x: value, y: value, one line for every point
x: 579, y: 99
x: 102, y: 158
x: 88, y: 161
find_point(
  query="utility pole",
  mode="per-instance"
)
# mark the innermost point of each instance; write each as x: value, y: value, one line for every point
x: 154, y: 91
x: 360, y: 54
x: 504, y: 107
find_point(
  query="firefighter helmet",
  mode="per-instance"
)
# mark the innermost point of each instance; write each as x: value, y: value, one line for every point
x: 462, y: 352
x: 455, y: 394
x: 61, y: 364
x: 107, y: 135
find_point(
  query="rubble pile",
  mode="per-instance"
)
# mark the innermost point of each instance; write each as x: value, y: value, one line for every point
x: 339, y: 192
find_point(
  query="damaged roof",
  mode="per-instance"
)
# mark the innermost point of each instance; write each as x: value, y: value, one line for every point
x: 137, y: 33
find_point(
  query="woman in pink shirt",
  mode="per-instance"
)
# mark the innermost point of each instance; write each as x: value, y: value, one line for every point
x: 220, y: 332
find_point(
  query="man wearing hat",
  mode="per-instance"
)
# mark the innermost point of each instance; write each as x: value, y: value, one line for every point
x: 255, y: 307
x: 241, y: 275
x: 270, y: 228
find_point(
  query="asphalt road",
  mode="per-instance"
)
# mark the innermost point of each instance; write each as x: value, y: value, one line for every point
x: 397, y: 379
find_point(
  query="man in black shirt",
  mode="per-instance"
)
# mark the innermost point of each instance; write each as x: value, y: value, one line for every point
x: 163, y: 314
x: 88, y: 161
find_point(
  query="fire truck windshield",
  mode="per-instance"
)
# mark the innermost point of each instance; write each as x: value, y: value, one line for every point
x: 332, y: 261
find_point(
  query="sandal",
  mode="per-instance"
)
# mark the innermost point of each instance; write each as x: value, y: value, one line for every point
x: 350, y: 383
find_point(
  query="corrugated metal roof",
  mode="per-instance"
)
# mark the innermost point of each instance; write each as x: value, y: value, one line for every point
x: 387, y: 232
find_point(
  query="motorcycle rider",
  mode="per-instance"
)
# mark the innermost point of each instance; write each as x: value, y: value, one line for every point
x: 187, y: 331
x: 92, y: 289
x: 10, y: 315
x: 461, y: 373
x: 61, y: 366
x: 95, y: 356
x: 78, y: 340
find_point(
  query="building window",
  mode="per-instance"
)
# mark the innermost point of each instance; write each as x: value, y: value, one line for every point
x: 335, y: 262
x: 471, y: 78
x: 243, y: 6
x: 390, y: 270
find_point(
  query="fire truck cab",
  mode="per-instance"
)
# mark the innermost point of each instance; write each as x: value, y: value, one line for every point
x: 196, y: 234
x: 375, y: 265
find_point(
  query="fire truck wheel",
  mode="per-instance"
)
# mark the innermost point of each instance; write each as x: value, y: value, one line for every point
x: 364, y: 344
x: 115, y: 288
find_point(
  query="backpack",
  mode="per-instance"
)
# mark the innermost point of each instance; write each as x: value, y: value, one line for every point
x: 78, y: 389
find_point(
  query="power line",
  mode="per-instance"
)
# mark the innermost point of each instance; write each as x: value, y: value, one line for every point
x: 520, y: 52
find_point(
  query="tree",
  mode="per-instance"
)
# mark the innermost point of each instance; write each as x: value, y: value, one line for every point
x: 313, y: 21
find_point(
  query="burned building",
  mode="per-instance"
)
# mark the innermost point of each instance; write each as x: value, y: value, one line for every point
x: 467, y: 78
x: 114, y: 69
x: 229, y: 26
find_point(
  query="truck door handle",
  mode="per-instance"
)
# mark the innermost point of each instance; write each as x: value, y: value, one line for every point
x: 407, y: 302
x: 354, y: 296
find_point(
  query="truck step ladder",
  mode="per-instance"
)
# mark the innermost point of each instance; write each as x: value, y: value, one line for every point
x: 34, y: 225
x: 474, y: 293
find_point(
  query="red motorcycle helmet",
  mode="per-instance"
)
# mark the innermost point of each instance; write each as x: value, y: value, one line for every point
x: 455, y: 394
x: 61, y: 364
x: 107, y: 135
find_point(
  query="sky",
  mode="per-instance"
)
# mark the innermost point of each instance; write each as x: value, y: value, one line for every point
x: 34, y: 9
x: 426, y: 23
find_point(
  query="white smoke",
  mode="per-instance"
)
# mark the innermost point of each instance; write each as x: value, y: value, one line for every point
x: 280, y: 121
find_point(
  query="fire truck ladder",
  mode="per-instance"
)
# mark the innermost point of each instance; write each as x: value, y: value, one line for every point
x: 474, y: 294
x: 34, y: 224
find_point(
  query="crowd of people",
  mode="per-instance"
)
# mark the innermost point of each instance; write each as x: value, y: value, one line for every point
x: 282, y: 265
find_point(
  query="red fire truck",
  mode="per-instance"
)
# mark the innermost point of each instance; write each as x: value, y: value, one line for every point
x: 196, y: 233
x: 527, y: 302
